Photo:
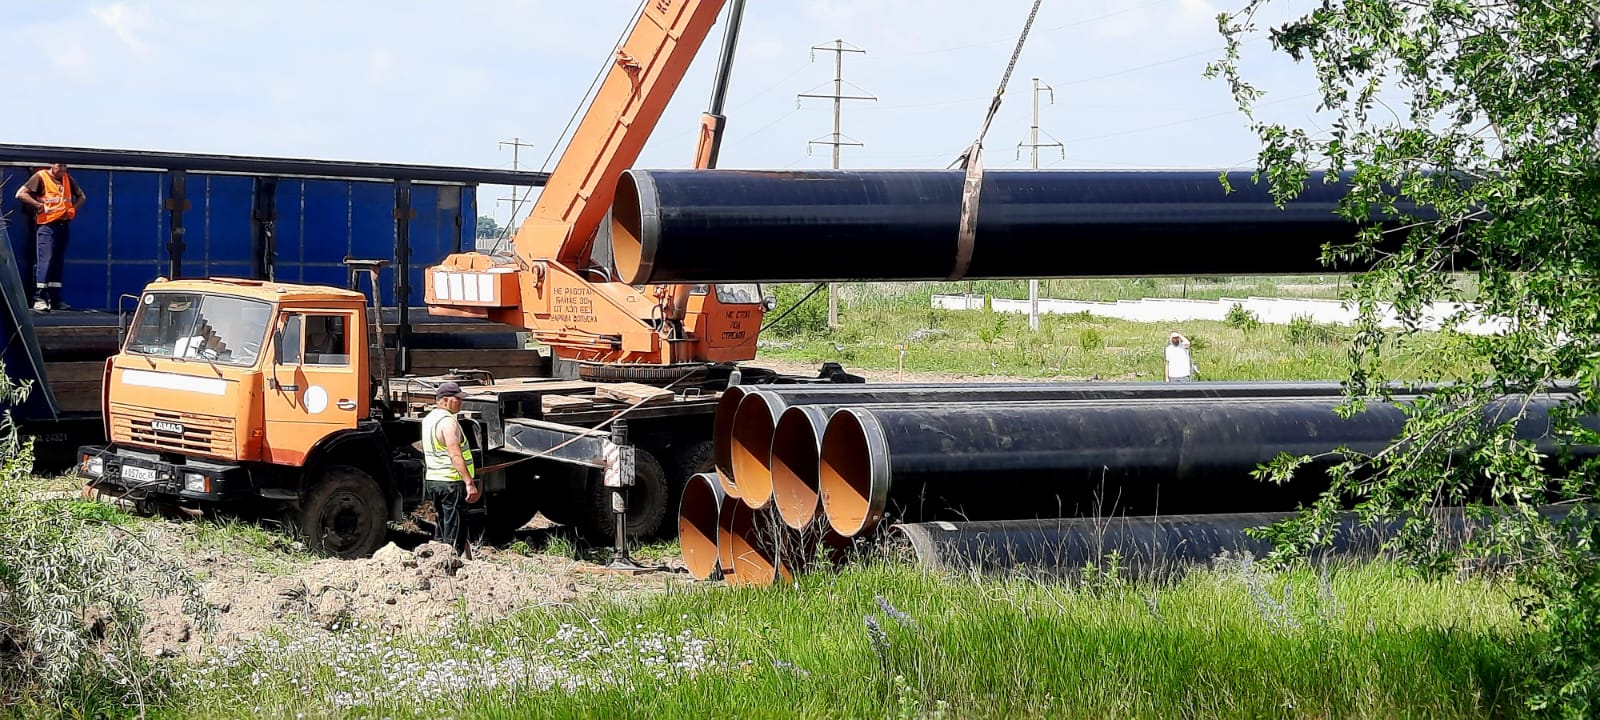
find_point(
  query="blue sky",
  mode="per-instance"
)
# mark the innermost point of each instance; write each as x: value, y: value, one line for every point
x: 445, y: 83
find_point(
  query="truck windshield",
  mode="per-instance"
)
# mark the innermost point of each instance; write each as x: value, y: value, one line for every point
x: 216, y: 328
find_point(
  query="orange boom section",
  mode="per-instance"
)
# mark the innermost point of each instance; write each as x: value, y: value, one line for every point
x: 552, y: 284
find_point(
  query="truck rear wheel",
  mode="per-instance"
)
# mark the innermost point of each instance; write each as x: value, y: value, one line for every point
x: 345, y: 515
x: 509, y: 510
x: 647, y: 503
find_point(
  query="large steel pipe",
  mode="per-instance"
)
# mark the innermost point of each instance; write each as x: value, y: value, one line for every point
x: 752, y: 448
x: 796, y: 445
x: 703, y: 504
x: 1145, y: 547
x: 690, y: 226
x: 753, y: 542
x: 1002, y: 461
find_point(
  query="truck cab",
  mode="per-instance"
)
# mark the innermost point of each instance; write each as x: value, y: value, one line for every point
x: 231, y: 389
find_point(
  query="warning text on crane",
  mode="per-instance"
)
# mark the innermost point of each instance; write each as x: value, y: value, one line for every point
x: 572, y: 305
x: 735, y: 320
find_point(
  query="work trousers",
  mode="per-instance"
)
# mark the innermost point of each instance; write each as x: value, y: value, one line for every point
x: 449, y: 512
x: 50, y: 253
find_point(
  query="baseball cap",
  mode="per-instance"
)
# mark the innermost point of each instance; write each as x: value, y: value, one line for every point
x: 447, y: 389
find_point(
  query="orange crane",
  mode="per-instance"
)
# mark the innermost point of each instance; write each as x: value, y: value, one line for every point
x: 277, y: 397
x: 557, y: 286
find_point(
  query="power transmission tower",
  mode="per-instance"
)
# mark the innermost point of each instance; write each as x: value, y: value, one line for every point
x: 511, y: 194
x: 1033, y: 145
x: 837, y: 139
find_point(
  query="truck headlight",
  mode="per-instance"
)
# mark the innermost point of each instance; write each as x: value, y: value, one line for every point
x: 92, y: 466
x: 195, y: 482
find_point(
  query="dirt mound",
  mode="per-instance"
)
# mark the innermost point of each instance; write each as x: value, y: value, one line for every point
x: 418, y: 592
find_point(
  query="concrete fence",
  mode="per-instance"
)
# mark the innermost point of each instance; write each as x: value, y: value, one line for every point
x: 1268, y: 310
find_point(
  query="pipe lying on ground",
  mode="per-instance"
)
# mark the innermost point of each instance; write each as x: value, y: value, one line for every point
x: 753, y: 542
x: 754, y: 424
x: 1145, y: 547
x: 701, y: 507
x: 796, y: 445
x: 691, y: 226
x: 1002, y: 461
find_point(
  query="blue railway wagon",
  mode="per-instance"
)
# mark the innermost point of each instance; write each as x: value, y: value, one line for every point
x: 291, y: 229
x: 153, y: 214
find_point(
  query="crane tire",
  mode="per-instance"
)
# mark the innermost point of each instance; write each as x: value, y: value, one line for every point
x: 647, y: 503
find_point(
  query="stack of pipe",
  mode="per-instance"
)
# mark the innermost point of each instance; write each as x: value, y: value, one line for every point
x: 803, y: 471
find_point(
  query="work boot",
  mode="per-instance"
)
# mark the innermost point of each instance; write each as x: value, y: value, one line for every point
x: 41, y: 306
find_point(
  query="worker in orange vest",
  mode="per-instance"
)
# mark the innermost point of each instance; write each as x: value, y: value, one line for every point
x: 54, y: 199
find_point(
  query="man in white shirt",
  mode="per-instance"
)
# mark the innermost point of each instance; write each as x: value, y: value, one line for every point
x: 1180, y: 367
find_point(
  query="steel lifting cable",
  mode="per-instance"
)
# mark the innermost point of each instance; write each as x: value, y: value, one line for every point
x: 508, y: 231
x: 972, y: 161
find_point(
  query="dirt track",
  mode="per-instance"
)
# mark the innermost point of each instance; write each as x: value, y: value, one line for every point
x: 420, y: 591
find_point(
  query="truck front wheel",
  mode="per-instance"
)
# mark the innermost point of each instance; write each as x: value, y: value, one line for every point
x: 345, y: 515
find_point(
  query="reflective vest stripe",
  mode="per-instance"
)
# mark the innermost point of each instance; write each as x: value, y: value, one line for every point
x: 436, y: 457
x: 57, y: 198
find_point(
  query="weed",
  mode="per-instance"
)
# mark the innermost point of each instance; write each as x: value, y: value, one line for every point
x: 1239, y: 318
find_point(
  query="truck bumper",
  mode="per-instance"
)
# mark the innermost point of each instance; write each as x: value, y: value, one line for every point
x: 142, y: 477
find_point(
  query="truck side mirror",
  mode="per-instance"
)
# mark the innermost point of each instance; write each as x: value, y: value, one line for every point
x: 277, y: 346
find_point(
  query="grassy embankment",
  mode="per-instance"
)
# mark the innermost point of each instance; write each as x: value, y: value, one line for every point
x: 877, y: 321
x: 886, y: 641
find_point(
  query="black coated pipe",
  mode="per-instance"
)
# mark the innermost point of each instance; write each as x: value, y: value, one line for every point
x: 1003, y: 461
x: 701, y: 507
x: 753, y: 542
x: 749, y: 443
x: 1144, y: 547
x: 796, y: 446
x: 693, y: 226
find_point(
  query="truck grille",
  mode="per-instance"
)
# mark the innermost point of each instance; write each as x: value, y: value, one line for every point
x: 174, y: 432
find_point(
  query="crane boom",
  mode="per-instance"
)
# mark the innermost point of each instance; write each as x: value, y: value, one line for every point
x: 551, y: 284
x: 644, y: 73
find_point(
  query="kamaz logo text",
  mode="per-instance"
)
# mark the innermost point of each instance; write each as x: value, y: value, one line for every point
x: 166, y: 426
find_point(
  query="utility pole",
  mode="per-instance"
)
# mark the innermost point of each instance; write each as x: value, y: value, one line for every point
x: 836, y: 139
x: 1033, y: 145
x: 511, y: 194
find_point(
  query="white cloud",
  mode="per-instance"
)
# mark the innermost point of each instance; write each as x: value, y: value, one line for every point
x: 126, y: 22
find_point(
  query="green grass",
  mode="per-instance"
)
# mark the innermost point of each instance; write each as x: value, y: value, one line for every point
x: 875, y: 329
x: 1369, y: 641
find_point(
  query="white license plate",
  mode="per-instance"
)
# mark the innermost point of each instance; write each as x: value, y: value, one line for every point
x: 138, y: 474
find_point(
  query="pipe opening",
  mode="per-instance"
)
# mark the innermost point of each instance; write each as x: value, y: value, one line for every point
x: 845, y: 474
x: 751, y: 453
x: 795, y: 445
x: 697, y: 525
x: 722, y: 429
x: 753, y: 547
x: 632, y: 233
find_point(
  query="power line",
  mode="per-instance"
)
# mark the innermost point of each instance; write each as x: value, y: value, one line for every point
x: 836, y: 139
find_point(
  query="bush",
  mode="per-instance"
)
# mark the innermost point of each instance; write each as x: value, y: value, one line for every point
x: 1239, y: 318
x: 71, y: 585
x: 1305, y: 331
x: 809, y: 319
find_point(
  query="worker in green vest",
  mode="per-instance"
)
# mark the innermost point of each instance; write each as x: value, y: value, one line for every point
x: 449, y: 473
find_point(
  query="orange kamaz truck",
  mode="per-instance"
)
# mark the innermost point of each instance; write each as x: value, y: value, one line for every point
x: 277, y: 397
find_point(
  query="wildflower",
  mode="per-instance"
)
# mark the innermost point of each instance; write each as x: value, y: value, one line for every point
x: 895, y: 613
